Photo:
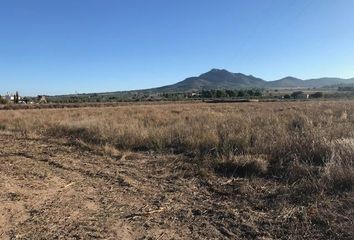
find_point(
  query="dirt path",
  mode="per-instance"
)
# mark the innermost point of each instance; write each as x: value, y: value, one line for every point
x: 50, y: 189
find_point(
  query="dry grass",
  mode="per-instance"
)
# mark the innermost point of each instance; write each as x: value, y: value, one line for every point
x: 312, y: 140
x: 279, y: 169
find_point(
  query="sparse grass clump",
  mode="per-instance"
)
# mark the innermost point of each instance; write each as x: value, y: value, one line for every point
x: 242, y: 166
x: 338, y: 172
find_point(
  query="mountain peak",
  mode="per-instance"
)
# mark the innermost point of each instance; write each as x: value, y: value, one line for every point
x: 214, y: 74
x: 291, y: 78
x: 217, y: 71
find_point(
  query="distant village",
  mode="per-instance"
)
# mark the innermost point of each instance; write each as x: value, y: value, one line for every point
x: 16, y: 98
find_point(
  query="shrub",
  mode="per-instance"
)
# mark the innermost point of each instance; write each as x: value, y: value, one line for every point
x: 2, y: 100
x: 296, y: 94
x: 317, y: 95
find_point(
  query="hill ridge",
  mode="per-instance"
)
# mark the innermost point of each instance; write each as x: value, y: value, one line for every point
x: 224, y: 79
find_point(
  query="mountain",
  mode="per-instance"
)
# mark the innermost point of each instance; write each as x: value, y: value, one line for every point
x: 223, y: 79
x: 215, y: 79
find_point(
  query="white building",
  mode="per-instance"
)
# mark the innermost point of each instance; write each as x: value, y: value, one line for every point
x: 9, y: 97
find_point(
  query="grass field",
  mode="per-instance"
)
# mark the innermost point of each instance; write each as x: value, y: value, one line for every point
x: 293, y: 162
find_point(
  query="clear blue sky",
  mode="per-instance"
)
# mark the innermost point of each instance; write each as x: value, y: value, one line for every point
x: 67, y: 46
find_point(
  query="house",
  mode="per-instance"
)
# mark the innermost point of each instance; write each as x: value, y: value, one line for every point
x: 192, y: 94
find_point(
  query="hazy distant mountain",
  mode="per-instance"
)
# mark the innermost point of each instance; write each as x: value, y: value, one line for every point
x: 291, y: 82
x: 321, y: 82
x: 223, y: 79
x: 286, y: 83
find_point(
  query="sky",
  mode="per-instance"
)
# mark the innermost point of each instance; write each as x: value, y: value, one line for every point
x: 80, y: 46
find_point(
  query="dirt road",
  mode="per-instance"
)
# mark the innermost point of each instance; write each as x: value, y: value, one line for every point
x: 53, y: 189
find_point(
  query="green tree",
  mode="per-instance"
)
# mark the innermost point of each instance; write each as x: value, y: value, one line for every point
x: 2, y: 100
x: 16, y: 98
x: 230, y: 93
x: 250, y: 92
x: 258, y: 93
x: 241, y: 93
x: 296, y: 94
x: 317, y: 95
x: 206, y: 94
x: 220, y: 94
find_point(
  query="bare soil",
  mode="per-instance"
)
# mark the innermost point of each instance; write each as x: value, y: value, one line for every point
x: 54, y: 189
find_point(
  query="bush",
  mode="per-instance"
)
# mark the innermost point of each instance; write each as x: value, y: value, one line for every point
x: 316, y: 95
x: 2, y: 101
x: 296, y: 94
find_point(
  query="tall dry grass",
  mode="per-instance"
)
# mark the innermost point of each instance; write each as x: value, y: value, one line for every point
x: 292, y: 141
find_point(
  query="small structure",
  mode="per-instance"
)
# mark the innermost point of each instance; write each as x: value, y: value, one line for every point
x: 41, y: 99
x: 24, y: 100
x: 9, y: 97
x: 192, y: 94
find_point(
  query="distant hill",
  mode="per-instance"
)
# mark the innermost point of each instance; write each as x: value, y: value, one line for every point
x: 287, y: 82
x: 223, y: 79
x: 322, y: 82
x: 215, y: 79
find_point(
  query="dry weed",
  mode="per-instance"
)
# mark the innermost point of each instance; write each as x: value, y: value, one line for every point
x: 300, y: 140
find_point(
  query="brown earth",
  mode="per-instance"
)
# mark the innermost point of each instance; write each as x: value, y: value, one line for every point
x: 54, y: 189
